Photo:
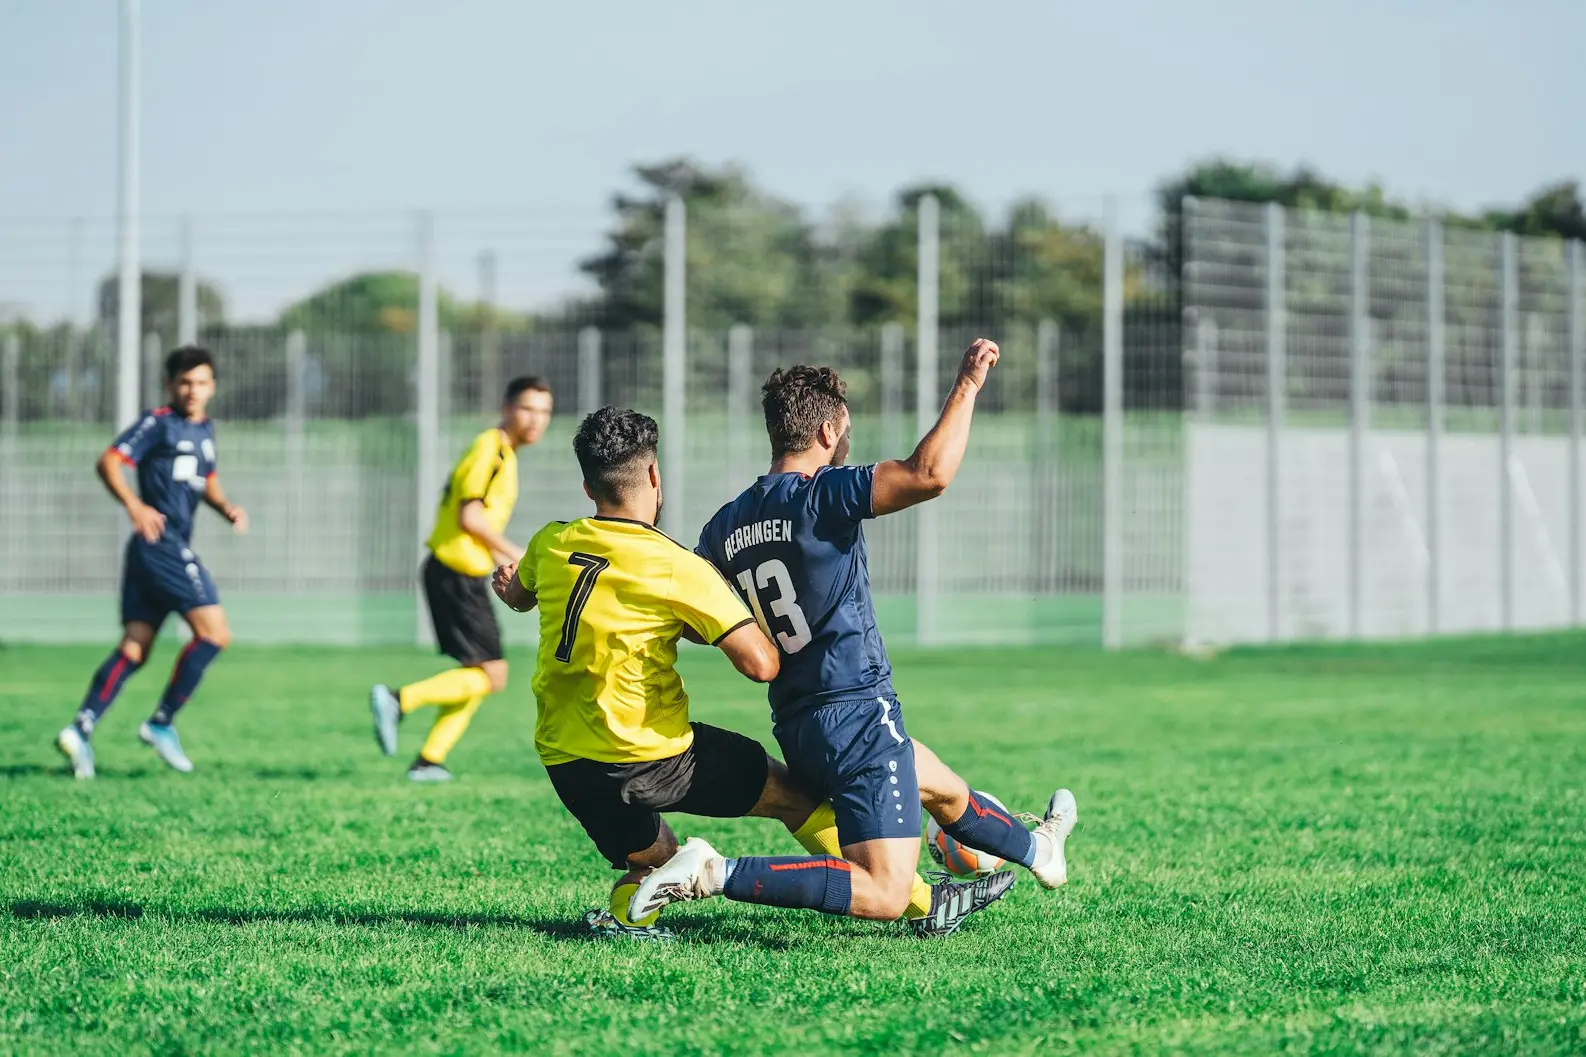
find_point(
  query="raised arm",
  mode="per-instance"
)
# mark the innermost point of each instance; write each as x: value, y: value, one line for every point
x: 146, y: 521
x: 215, y: 496
x: 902, y: 483
x: 471, y: 516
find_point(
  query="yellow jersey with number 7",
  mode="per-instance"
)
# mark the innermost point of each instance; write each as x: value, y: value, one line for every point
x: 614, y: 597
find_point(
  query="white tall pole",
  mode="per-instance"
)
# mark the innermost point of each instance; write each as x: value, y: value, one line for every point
x: 427, y: 401
x: 926, y: 409
x: 129, y: 299
x: 674, y: 367
x: 1112, y: 433
x: 1436, y: 353
x: 1277, y: 388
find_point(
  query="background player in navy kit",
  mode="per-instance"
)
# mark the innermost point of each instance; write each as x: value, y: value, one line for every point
x: 172, y: 449
x: 792, y: 544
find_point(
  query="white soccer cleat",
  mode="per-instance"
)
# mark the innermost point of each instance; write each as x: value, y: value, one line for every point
x: 163, y: 740
x: 695, y: 872
x: 77, y: 749
x: 1061, y: 814
x: 386, y: 709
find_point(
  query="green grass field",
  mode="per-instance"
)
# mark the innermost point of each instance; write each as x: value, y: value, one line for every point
x: 1317, y: 850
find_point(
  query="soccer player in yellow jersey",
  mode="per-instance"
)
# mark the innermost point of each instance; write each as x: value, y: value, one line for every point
x: 615, y: 594
x: 466, y: 544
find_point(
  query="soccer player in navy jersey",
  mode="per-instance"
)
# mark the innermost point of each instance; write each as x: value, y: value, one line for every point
x: 172, y: 450
x: 793, y: 546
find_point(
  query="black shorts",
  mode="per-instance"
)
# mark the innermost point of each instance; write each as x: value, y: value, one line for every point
x: 464, y: 618
x: 721, y: 775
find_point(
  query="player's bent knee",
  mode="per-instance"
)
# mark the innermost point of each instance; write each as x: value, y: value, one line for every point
x: 496, y: 671
x: 132, y: 650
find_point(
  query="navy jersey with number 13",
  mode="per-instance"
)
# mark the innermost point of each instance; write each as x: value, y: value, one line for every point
x: 794, y: 548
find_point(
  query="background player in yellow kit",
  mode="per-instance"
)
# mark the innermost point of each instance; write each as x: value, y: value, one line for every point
x: 466, y: 544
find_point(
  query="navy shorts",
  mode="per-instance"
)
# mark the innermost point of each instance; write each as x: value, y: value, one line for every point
x: 158, y: 579
x: 857, y: 755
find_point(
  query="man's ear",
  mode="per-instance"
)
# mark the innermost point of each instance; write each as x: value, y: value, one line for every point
x: 655, y: 475
x: 587, y: 492
x: 829, y: 434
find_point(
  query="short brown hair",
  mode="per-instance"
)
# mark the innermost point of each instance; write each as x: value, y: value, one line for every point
x: 796, y: 401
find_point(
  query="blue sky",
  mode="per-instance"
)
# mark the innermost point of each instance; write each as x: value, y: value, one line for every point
x: 337, y: 107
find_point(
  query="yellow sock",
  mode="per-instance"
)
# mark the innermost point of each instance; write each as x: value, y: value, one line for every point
x: 450, y: 687
x: 919, y: 899
x: 619, y: 906
x: 448, y: 729
x: 819, y: 834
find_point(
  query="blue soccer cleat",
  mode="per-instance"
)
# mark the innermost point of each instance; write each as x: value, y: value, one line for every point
x: 166, y: 744
x: 77, y: 749
x: 387, y: 712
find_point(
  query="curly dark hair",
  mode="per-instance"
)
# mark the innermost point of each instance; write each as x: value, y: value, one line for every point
x: 796, y: 401
x: 612, y: 445
x: 186, y: 358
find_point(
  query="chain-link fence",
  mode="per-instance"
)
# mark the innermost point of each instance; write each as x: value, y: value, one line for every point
x: 1333, y: 425
x: 1386, y: 426
x: 357, y: 356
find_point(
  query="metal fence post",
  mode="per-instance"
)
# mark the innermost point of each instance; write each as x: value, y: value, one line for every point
x: 927, y: 583
x: 153, y: 376
x: 1436, y: 352
x: 1577, y: 367
x: 740, y: 400
x: 589, y: 371
x: 187, y: 290
x: 296, y: 469
x: 891, y: 389
x: 490, y: 387
x: 1047, y: 462
x: 674, y: 365
x: 1509, y: 323
x: 1206, y: 367
x: 1359, y: 414
x: 427, y: 404
x: 1112, y: 432
x: 10, y: 413
x: 1046, y: 386
x: 1277, y: 390
x: 129, y: 300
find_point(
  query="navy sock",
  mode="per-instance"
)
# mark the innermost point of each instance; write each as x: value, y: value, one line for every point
x: 799, y: 882
x: 102, y: 690
x: 986, y: 827
x: 185, y: 678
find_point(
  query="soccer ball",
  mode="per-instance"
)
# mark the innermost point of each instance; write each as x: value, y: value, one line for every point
x: 958, y: 859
